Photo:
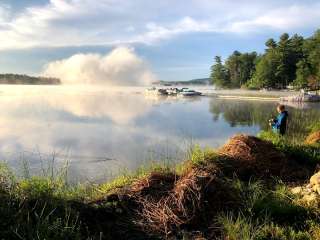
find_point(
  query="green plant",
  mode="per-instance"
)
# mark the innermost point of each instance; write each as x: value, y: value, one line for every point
x: 238, y: 227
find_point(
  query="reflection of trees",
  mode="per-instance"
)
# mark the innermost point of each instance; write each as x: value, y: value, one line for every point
x: 242, y: 113
x: 249, y: 113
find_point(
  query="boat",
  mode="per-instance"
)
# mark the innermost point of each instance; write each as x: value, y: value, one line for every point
x: 185, y: 92
x: 302, y: 97
x: 155, y: 91
x: 173, y: 91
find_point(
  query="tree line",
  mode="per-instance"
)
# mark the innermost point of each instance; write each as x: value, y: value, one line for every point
x: 25, y: 79
x: 290, y: 61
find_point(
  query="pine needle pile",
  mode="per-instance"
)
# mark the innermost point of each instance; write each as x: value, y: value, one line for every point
x: 250, y: 155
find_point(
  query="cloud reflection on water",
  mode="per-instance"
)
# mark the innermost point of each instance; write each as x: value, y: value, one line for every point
x: 89, y: 126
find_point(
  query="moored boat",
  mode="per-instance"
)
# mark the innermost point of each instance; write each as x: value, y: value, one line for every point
x: 155, y: 91
x: 189, y: 93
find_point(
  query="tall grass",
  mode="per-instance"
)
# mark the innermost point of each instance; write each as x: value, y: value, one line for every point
x: 267, y: 212
x: 39, y: 207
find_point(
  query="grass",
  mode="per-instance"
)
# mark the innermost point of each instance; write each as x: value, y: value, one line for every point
x: 128, y: 178
x: 294, y: 148
x: 241, y: 227
x: 47, y: 207
x: 268, y: 214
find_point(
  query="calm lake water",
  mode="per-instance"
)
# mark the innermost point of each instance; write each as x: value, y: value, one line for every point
x: 101, y: 132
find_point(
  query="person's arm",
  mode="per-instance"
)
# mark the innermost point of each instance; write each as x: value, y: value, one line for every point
x: 274, y: 122
x: 278, y: 121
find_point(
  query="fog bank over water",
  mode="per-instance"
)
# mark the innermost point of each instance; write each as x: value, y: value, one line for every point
x: 121, y: 67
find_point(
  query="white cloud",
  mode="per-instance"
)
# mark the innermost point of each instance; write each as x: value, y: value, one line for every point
x: 113, y: 22
x: 157, y: 32
x: 296, y: 16
x: 120, y: 67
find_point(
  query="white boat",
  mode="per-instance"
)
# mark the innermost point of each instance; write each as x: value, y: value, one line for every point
x: 189, y: 92
x: 173, y: 91
x: 155, y: 91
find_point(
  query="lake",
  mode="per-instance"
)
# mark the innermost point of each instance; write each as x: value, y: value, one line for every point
x: 100, y: 132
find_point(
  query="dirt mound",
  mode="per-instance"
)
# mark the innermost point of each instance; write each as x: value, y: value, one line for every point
x: 313, y: 138
x: 248, y: 155
x: 181, y: 205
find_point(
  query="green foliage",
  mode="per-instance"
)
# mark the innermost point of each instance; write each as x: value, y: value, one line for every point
x: 276, y: 232
x: 117, y: 183
x: 199, y: 155
x: 219, y: 74
x: 266, y: 71
x: 293, y: 148
x: 127, y: 178
x: 267, y: 212
x: 303, y: 74
x: 44, y: 222
x: 7, y: 178
x: 240, y: 68
x: 281, y: 209
x: 37, y: 187
x: 243, y: 228
x: 30, y: 211
x: 288, y: 61
x: 237, y: 70
x: 314, y: 127
x: 249, y: 193
x: 239, y: 227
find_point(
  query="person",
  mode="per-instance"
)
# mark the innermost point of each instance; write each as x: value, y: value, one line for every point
x: 279, y: 124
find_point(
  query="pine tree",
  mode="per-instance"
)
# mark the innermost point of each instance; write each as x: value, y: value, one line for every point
x: 219, y: 74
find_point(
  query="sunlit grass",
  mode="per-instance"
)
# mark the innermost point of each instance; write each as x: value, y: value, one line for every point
x: 128, y: 177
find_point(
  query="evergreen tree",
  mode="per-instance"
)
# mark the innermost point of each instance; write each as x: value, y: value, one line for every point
x: 266, y: 71
x: 248, y: 67
x: 292, y: 60
x: 303, y: 74
x: 267, y: 68
x: 240, y: 67
x: 283, y: 68
x: 312, y: 53
x: 219, y: 74
x: 233, y: 66
x: 271, y: 44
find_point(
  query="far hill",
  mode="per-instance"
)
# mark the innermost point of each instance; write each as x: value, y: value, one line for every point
x: 28, y: 80
x: 199, y: 81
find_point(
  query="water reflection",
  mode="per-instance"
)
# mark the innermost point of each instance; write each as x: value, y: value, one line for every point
x: 253, y: 113
x: 101, y: 131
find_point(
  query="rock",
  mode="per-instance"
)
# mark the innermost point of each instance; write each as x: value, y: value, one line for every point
x: 296, y: 190
x: 310, y: 198
x: 313, y: 138
x: 315, y: 179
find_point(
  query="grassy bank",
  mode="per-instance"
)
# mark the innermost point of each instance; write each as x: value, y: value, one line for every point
x: 231, y: 193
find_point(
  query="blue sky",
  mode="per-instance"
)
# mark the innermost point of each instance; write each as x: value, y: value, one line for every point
x: 176, y: 38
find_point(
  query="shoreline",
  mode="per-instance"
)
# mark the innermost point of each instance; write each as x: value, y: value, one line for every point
x: 260, y: 98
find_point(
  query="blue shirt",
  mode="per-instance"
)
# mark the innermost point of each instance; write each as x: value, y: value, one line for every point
x: 280, y: 123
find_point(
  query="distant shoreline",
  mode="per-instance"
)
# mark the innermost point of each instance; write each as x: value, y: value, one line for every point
x: 21, y: 79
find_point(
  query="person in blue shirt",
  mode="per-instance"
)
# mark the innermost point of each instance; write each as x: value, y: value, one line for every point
x: 279, y: 124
